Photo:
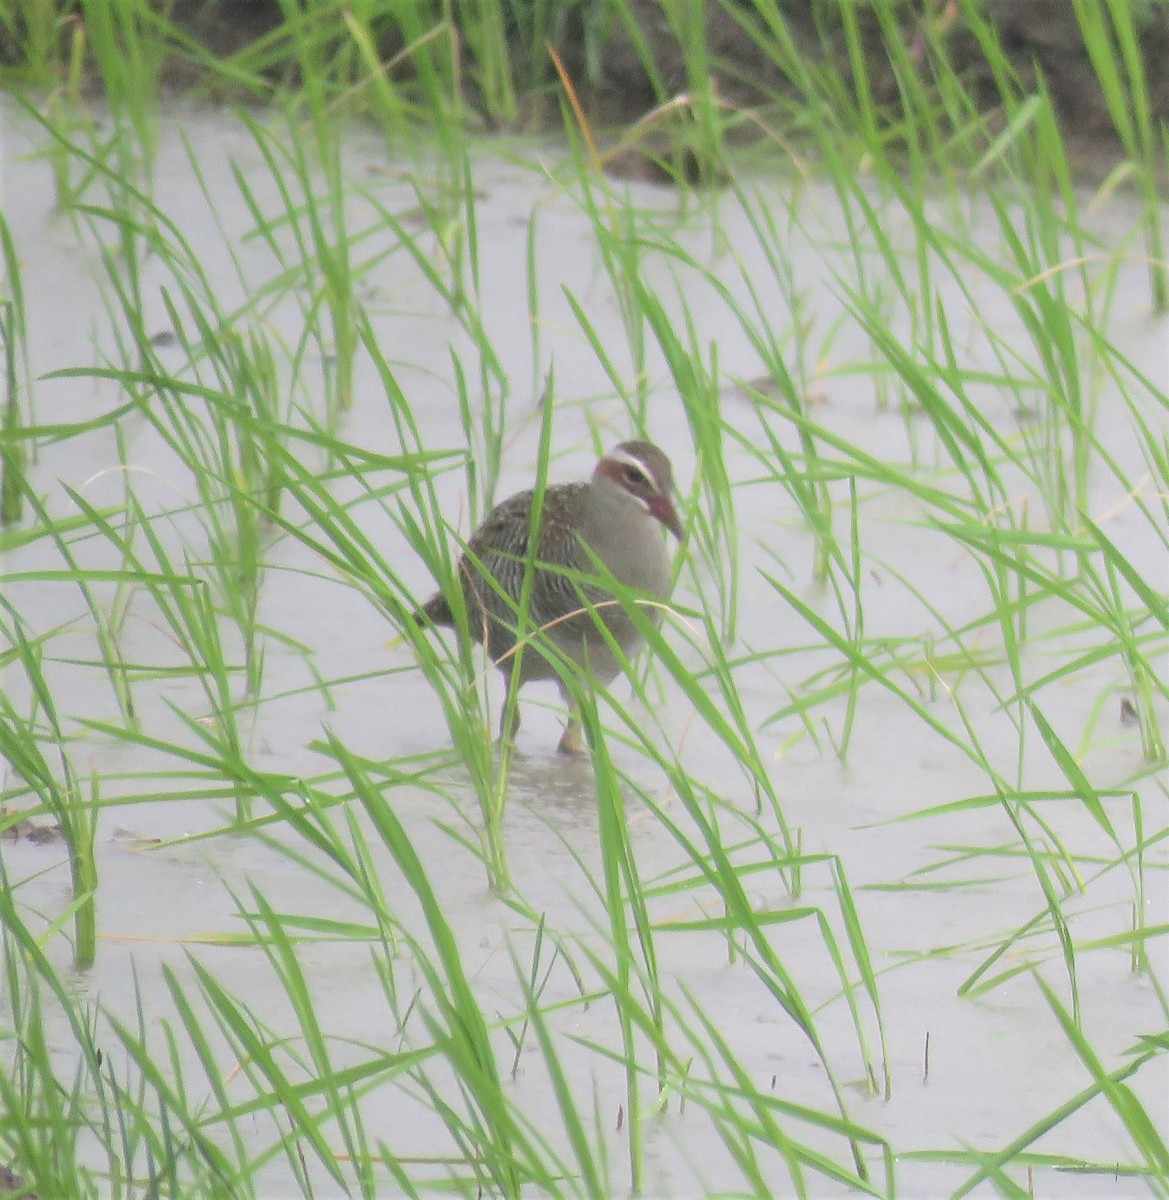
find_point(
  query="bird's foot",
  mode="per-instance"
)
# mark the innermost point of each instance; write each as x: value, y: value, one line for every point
x: 570, y: 743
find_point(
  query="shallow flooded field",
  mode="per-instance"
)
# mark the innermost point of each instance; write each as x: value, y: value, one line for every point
x: 862, y: 885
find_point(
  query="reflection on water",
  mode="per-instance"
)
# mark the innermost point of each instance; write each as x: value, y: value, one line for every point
x: 559, y: 787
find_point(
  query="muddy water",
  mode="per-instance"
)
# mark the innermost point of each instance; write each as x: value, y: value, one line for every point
x: 995, y: 1063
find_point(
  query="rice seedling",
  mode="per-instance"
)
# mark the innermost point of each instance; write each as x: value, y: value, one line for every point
x: 1114, y: 1088
x: 316, y: 219
x: 129, y: 60
x: 35, y: 29
x: 12, y: 466
x: 1112, y: 38
x: 45, y: 1121
x: 119, y: 39
x: 56, y: 786
x: 17, y: 384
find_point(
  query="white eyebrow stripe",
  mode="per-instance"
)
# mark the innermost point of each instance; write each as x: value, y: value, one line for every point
x: 630, y: 460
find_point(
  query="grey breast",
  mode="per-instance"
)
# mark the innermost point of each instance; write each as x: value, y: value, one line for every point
x: 618, y: 530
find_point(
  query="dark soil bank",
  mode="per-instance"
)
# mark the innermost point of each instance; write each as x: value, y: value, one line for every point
x: 622, y: 70
x: 1040, y: 37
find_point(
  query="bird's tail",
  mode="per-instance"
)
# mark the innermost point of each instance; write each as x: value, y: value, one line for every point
x: 436, y: 611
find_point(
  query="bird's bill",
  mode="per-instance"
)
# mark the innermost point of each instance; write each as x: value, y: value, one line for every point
x: 662, y: 507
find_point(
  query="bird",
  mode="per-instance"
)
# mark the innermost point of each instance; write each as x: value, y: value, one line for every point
x: 614, y: 518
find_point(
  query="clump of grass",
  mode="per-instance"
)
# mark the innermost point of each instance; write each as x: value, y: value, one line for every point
x: 57, y: 789
x: 32, y: 34
x: 44, y: 1100
x: 1112, y: 37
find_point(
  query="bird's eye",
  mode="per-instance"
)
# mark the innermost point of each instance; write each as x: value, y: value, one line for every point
x: 634, y: 477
